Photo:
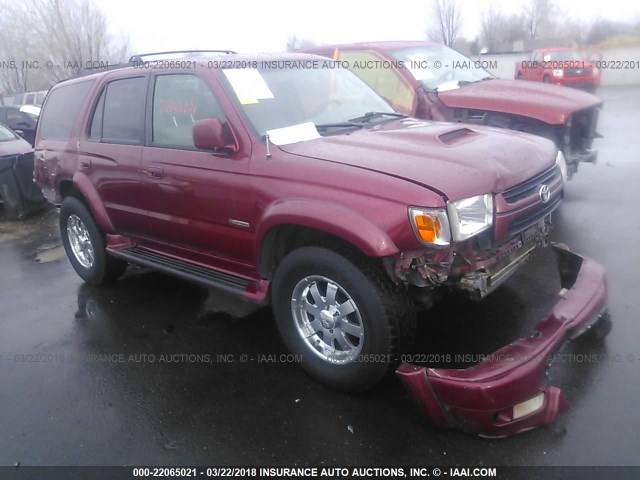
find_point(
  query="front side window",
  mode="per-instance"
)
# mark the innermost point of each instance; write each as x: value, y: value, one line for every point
x: 61, y: 110
x: 179, y: 100
x: 274, y: 98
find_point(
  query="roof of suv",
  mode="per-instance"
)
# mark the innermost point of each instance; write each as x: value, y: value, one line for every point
x: 383, y: 45
x: 234, y: 60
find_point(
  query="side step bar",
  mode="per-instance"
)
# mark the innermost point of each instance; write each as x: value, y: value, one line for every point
x: 180, y: 268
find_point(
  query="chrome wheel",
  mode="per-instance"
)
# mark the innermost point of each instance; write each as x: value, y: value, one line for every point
x: 327, y: 319
x: 80, y: 241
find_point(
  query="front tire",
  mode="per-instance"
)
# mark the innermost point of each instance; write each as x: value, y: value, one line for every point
x: 342, y: 314
x: 85, y: 245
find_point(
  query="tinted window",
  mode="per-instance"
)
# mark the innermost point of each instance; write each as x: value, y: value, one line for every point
x: 178, y: 102
x: 123, y: 108
x: 61, y: 110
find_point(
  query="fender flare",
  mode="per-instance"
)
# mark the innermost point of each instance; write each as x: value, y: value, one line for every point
x: 327, y: 217
x: 90, y: 194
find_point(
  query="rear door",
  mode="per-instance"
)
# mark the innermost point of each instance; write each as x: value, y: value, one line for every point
x: 193, y: 197
x: 110, y: 150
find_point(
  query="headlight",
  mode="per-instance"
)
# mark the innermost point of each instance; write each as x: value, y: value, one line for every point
x: 430, y: 225
x: 470, y: 216
x: 558, y: 73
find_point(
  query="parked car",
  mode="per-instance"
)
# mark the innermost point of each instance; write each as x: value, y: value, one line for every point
x: 18, y: 193
x: 559, y: 66
x: 28, y: 98
x: 432, y: 81
x: 20, y: 119
x: 301, y: 187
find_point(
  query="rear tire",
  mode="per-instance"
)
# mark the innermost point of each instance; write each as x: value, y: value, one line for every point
x: 342, y: 314
x: 85, y: 245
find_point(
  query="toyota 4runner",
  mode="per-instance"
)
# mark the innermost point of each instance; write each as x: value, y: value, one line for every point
x: 288, y: 181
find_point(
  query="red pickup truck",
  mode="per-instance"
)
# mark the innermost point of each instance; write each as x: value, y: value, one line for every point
x: 559, y: 66
x: 431, y: 81
x: 295, y: 185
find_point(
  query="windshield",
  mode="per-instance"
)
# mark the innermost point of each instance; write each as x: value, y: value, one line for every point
x: 275, y: 98
x: 436, y: 65
x: 6, y: 134
x: 561, y: 55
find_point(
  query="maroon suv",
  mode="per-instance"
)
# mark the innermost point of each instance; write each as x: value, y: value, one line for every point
x: 434, y: 82
x: 286, y: 182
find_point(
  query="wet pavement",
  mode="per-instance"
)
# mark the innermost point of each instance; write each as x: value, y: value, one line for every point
x: 154, y: 370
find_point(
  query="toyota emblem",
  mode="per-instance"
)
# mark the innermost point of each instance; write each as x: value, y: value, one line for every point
x: 545, y: 193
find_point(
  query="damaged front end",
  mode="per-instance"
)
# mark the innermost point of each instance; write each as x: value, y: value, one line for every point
x: 507, y: 393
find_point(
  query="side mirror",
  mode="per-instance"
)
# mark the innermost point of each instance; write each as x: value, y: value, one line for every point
x: 20, y: 132
x: 209, y: 134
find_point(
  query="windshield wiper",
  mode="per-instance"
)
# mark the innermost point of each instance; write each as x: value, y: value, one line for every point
x: 367, y: 117
x: 325, y: 126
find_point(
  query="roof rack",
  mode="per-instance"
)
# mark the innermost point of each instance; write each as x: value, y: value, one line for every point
x: 140, y: 57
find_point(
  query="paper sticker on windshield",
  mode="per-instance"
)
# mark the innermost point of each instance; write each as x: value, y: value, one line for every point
x: 452, y: 85
x: 293, y: 134
x: 418, y: 65
x: 248, y: 85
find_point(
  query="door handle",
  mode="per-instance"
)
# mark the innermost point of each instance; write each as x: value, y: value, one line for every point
x: 86, y: 163
x: 155, y: 172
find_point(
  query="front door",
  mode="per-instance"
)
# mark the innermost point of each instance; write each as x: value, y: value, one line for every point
x: 192, y: 197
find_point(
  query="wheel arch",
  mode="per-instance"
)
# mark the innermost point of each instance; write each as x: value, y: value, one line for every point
x: 289, y: 225
x: 81, y: 187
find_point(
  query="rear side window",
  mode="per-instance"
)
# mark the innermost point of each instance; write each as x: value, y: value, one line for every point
x: 122, y: 111
x: 61, y: 110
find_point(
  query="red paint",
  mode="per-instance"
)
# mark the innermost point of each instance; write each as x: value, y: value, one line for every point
x: 480, y: 398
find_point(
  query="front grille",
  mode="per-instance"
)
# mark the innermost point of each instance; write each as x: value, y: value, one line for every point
x: 578, y: 72
x: 524, y: 222
x: 532, y: 186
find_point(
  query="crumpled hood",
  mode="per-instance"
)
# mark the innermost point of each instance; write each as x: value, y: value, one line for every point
x: 455, y: 160
x: 549, y: 103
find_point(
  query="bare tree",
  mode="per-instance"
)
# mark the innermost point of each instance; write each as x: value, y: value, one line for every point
x: 490, y: 25
x: 536, y: 17
x: 58, y: 39
x: 446, y: 21
x: 297, y: 43
x: 498, y: 32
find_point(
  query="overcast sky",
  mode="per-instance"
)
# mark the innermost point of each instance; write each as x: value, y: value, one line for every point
x: 264, y: 26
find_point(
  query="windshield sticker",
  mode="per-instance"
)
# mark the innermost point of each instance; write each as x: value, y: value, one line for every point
x: 248, y: 85
x: 417, y: 65
x: 452, y: 85
x: 293, y: 134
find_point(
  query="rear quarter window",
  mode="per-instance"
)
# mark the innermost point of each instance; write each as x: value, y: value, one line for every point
x: 61, y: 110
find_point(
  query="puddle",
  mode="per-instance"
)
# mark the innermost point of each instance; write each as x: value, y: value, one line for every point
x: 50, y: 254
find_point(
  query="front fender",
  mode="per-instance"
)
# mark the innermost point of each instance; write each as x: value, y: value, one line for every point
x: 90, y: 194
x: 334, y: 219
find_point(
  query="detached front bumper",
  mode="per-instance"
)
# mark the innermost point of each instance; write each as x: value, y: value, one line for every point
x: 481, y: 399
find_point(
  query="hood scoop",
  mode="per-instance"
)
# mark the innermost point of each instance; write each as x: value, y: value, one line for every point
x: 456, y: 136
